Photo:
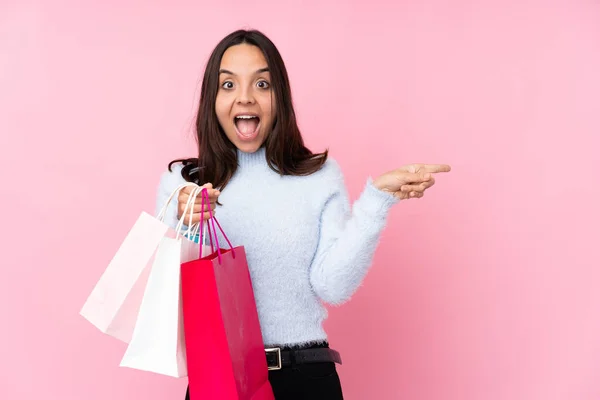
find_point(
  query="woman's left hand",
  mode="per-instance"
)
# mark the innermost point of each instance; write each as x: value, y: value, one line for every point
x: 409, y: 181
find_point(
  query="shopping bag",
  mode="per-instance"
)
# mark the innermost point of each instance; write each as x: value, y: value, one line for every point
x: 224, y: 345
x: 114, y: 302
x: 158, y: 343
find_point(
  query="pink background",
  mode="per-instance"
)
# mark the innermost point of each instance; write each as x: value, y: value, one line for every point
x: 485, y: 289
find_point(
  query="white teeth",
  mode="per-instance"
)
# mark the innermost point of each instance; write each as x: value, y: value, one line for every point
x: 246, y: 116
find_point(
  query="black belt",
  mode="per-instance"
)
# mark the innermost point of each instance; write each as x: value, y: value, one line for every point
x: 278, y: 358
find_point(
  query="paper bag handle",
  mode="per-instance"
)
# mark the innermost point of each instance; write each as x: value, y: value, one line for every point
x: 190, y: 203
x: 188, y: 206
x: 213, y: 219
x: 163, y: 211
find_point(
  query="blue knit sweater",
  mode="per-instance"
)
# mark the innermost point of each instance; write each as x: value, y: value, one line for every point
x: 304, y: 243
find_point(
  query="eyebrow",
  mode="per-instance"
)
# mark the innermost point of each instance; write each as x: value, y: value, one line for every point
x: 260, y: 71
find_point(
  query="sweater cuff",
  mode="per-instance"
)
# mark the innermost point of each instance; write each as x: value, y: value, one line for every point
x: 375, y: 202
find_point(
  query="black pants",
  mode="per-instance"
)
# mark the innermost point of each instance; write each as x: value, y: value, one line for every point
x: 318, y: 381
x: 307, y: 381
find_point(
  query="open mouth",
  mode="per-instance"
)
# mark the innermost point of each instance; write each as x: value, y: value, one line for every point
x: 247, y: 126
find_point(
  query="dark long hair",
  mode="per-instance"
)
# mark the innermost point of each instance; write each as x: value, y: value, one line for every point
x: 217, y: 156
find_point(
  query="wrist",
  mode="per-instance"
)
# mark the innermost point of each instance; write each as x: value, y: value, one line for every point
x: 377, y: 184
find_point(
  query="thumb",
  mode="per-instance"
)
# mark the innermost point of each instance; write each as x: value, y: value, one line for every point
x: 207, y: 185
x: 418, y: 177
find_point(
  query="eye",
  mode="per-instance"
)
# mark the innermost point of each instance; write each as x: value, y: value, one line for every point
x: 227, y: 85
x: 263, y: 84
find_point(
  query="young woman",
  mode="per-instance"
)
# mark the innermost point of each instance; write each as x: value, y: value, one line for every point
x: 286, y: 205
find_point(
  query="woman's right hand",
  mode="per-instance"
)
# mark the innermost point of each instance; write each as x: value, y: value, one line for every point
x: 197, y: 212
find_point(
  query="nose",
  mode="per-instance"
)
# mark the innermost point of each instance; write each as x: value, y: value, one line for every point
x: 245, y: 96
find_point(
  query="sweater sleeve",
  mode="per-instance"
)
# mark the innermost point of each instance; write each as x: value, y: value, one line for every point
x: 348, y: 239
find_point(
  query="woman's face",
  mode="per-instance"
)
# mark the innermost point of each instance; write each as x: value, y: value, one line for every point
x: 244, y: 103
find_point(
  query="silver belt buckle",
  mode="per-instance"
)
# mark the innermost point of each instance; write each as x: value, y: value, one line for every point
x: 276, y: 350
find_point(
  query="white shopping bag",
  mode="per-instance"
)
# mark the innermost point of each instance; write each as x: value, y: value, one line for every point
x: 114, y: 302
x: 158, y: 343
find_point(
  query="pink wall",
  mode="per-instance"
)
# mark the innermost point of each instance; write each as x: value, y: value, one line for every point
x: 486, y: 289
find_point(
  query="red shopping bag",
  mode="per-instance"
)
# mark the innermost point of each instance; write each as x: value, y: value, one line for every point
x: 224, y: 345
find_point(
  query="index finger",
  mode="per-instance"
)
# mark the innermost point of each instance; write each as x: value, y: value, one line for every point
x: 435, y: 168
x: 188, y: 189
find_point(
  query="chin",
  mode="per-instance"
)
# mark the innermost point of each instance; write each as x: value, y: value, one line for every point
x: 248, y: 146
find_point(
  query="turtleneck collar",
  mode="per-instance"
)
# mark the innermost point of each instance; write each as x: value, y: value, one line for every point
x: 249, y: 159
